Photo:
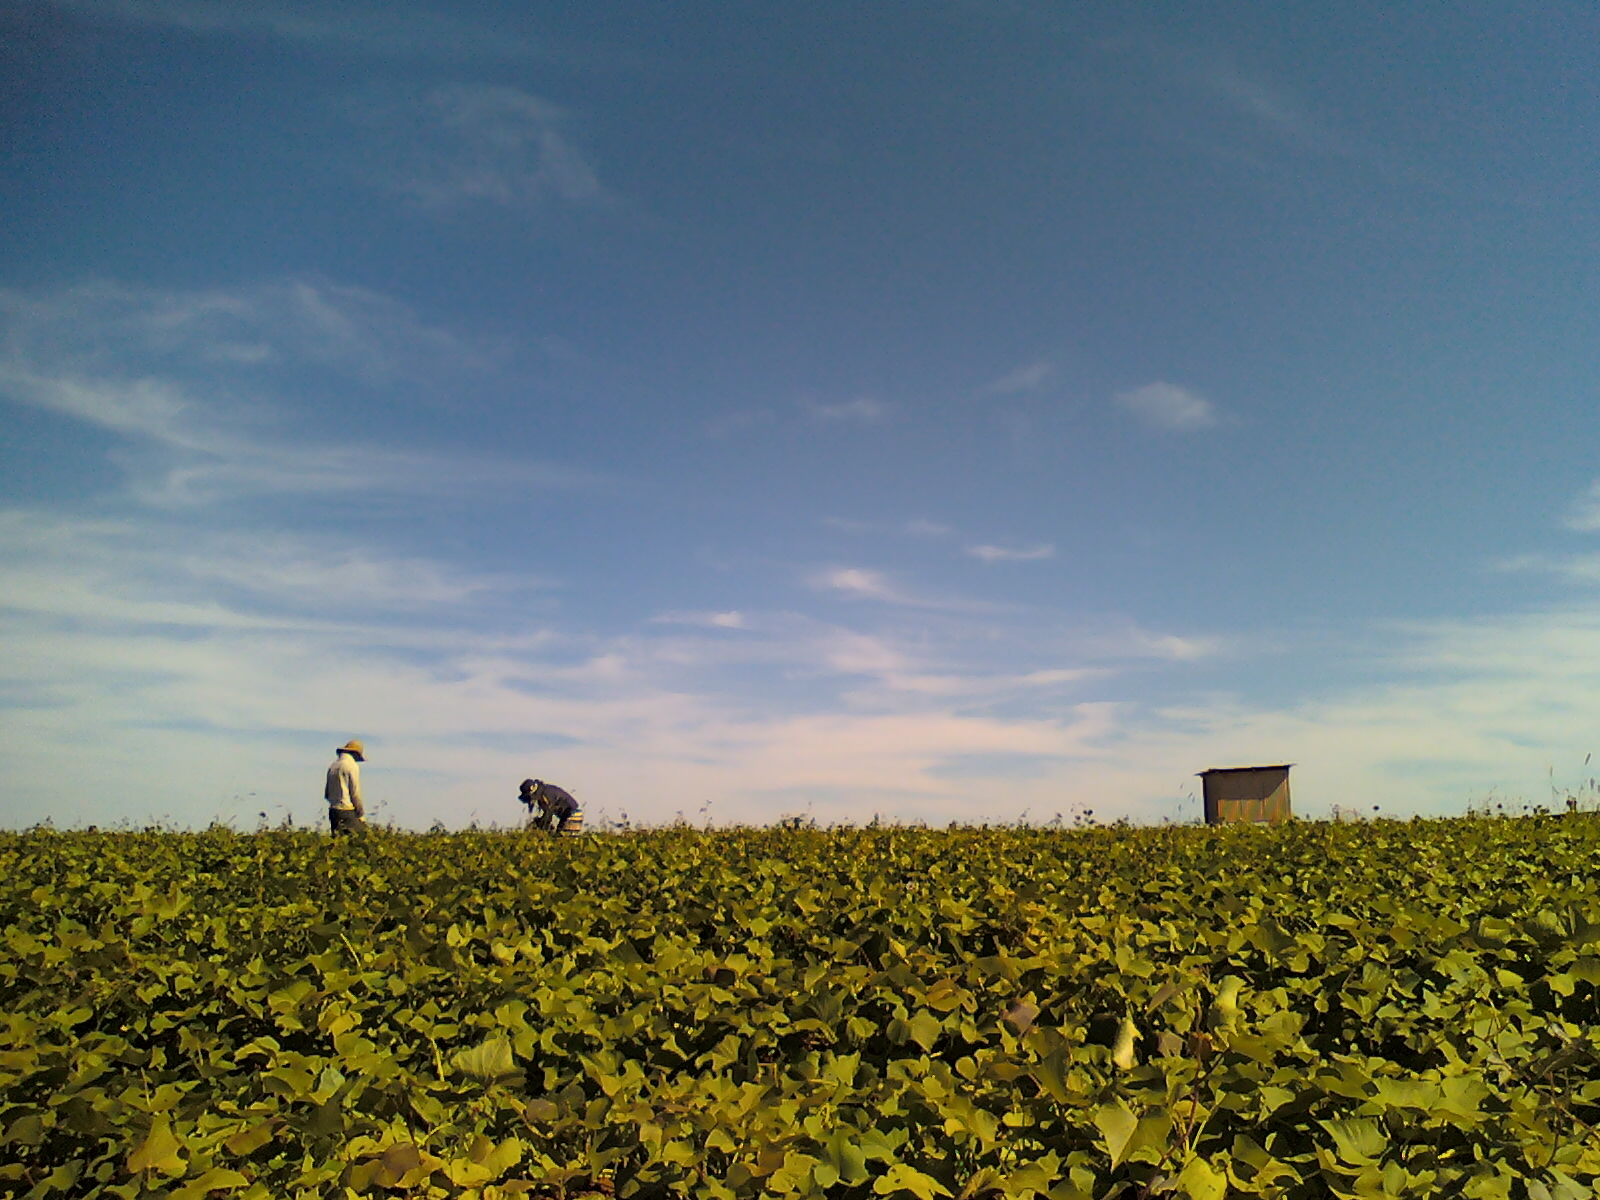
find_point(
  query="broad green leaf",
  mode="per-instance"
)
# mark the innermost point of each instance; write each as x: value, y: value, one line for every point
x: 484, y: 1162
x: 902, y: 1178
x: 217, y: 1179
x: 794, y: 1174
x: 489, y: 1062
x: 399, y: 1165
x: 983, y: 1181
x: 925, y: 1029
x: 845, y: 1157
x: 1124, y: 1054
x: 945, y: 995
x: 247, y: 1141
x: 875, y: 1144
x: 160, y: 1150
x: 540, y: 1111
x: 1357, y: 1141
x: 1199, y: 1180
x: 1049, y: 1072
x: 1116, y: 1124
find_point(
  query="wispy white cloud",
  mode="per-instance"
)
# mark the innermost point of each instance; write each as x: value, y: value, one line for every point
x: 851, y: 652
x: 1281, y: 114
x: 1217, y: 101
x: 186, y: 653
x: 731, y: 619
x: 128, y: 573
x: 1029, y: 378
x: 1168, y: 408
x: 460, y: 145
x: 1244, y: 114
x: 1175, y: 647
x: 864, y: 410
x: 335, y: 576
x: 194, y: 385
x: 739, y: 421
x: 1124, y: 641
x: 1271, y: 106
x: 192, y: 657
x: 1575, y: 568
x: 105, y: 328
x: 188, y: 454
x: 917, y: 527
x: 867, y: 584
x: 1584, y: 514
x: 984, y: 685
x: 411, y: 30
x: 858, y: 581
x: 992, y: 554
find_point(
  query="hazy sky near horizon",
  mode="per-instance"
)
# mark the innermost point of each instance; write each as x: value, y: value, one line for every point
x: 942, y: 411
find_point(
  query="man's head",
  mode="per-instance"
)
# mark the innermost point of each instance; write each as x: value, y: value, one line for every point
x: 355, y: 750
x: 530, y: 792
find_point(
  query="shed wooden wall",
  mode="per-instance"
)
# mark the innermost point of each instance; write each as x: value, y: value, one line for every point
x: 1252, y: 794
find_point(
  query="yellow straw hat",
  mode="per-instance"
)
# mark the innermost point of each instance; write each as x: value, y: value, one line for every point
x: 356, y: 748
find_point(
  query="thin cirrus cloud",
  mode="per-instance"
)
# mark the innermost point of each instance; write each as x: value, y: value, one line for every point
x: 729, y: 619
x: 460, y: 145
x: 1282, y: 115
x: 103, y: 327
x: 859, y: 581
x: 1583, y: 516
x: 863, y: 583
x: 181, y: 451
x: 634, y: 715
x: 994, y: 554
x: 361, y: 26
x: 864, y: 410
x: 1024, y: 379
x: 1273, y: 108
x: 1228, y: 108
x: 192, y: 385
x: 129, y: 572
x: 1486, y: 710
x: 1574, y: 568
x: 917, y: 527
x: 1168, y: 408
x: 122, y: 600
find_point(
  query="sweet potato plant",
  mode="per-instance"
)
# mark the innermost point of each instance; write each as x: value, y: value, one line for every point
x: 1387, y: 1009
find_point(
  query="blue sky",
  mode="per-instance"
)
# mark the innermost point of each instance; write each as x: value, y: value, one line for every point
x: 942, y: 411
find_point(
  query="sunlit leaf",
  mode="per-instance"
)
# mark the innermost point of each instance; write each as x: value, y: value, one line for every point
x: 160, y: 1150
x: 490, y: 1061
x: 1116, y: 1124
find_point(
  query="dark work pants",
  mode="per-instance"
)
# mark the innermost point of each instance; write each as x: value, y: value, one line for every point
x: 344, y: 820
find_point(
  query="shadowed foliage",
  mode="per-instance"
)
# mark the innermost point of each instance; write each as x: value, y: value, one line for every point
x: 1312, y: 1010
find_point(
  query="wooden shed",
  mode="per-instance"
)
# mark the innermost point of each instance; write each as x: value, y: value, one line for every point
x: 1246, y: 794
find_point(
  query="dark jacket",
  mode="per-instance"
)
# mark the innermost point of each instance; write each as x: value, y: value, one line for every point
x: 559, y: 801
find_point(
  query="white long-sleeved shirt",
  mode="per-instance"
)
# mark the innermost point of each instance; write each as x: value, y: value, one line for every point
x: 344, y: 783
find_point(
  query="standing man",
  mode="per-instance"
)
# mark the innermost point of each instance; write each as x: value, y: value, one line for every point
x: 554, y: 805
x: 343, y: 792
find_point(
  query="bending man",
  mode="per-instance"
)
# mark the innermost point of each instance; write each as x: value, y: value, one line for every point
x: 552, y: 806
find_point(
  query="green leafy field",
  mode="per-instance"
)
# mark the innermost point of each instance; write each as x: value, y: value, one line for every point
x: 1393, y: 1009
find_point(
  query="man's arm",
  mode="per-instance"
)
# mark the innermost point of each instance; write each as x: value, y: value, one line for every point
x: 355, y: 789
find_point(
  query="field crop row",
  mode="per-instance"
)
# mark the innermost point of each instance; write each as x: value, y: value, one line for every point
x: 1314, y: 1010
